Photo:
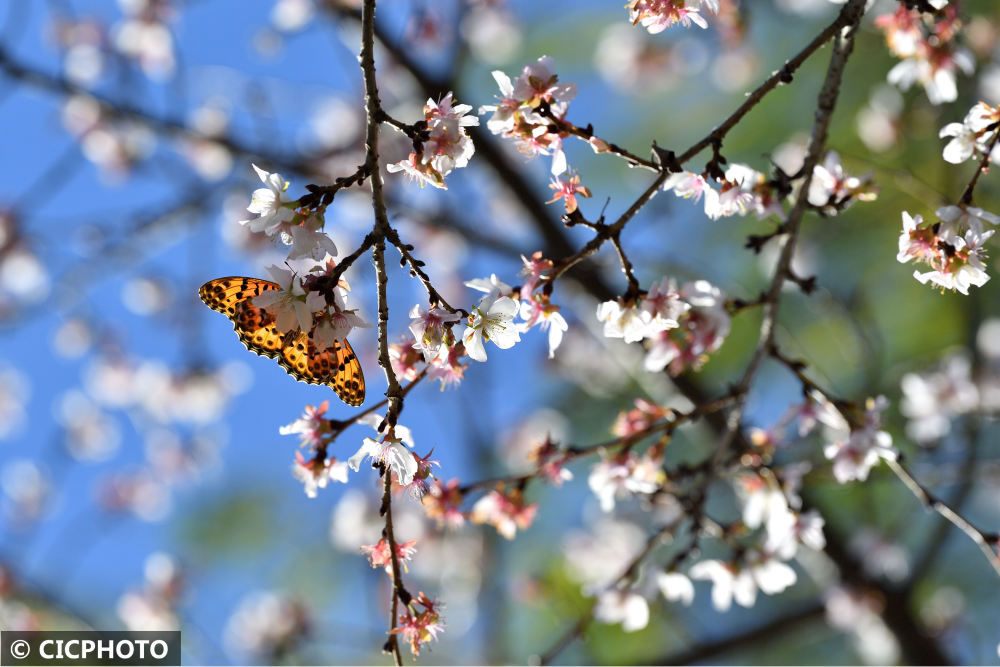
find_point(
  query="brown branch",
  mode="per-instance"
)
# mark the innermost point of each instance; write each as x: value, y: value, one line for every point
x: 986, y: 542
x: 631, y: 571
x: 842, y: 47
x: 782, y: 75
x: 392, y: 643
x: 394, y: 393
x: 573, y: 452
x: 587, y: 133
x: 714, y: 138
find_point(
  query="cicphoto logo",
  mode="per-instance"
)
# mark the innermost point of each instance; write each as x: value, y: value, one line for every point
x: 90, y: 648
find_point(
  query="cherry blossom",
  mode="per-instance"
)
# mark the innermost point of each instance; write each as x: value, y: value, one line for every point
x: 307, y: 241
x: 784, y: 535
x: 675, y: 587
x: 833, y: 190
x: 953, y: 248
x: 701, y: 330
x: 692, y: 186
x: 538, y: 84
x: 931, y: 400
x: 758, y: 192
x: 568, y: 189
x: 506, y: 512
x: 312, y: 426
x: 405, y: 359
x: 637, y: 420
x: 448, y: 146
x: 491, y: 320
x: 624, y: 475
x: 335, y: 325
x: 379, y: 554
x: 428, y: 328
x: 447, y: 366
x: 290, y: 305
x: 516, y: 115
x: 972, y: 135
x: 741, y: 582
x: 622, y: 606
x: 855, y: 453
x: 658, y: 15
x: 389, y: 451
x: 265, y: 623
x: 629, y: 321
x: 532, y: 272
x: 664, y: 304
x: 270, y: 204
x: 550, y: 459
x: 540, y: 311
x: 418, y: 628
x: 929, y: 54
x: 315, y: 473
x: 958, y: 218
x: 443, y: 502
x: 491, y: 284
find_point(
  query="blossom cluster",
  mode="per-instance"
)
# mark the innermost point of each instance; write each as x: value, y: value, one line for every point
x: 954, y: 388
x: 658, y: 15
x: 972, y: 137
x: 392, y: 448
x: 953, y: 247
x: 853, y: 448
x: 772, y: 521
x: 447, y: 147
x: 491, y: 320
x: 517, y: 114
x: 307, y: 299
x: 743, y: 190
x: 154, y: 606
x: 928, y: 48
x: 681, y: 326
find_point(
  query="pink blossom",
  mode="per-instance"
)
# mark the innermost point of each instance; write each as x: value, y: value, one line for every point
x: 418, y: 628
x: 312, y: 427
x: 532, y: 272
x: 443, y: 502
x: 379, y: 554
x: 568, y: 189
x: 505, y: 511
x: 429, y: 329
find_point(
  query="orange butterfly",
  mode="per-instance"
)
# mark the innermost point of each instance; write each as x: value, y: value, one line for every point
x: 336, y: 366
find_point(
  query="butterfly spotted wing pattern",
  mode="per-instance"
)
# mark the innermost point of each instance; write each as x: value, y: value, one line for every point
x: 336, y: 366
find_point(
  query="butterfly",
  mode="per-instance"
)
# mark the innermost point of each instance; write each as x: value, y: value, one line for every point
x: 295, y: 351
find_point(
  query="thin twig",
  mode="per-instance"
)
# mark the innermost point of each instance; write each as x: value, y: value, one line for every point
x: 393, y: 642
x: 984, y: 165
x: 573, y: 452
x: 416, y: 269
x: 394, y: 393
x: 782, y: 75
x: 842, y: 47
x: 987, y: 543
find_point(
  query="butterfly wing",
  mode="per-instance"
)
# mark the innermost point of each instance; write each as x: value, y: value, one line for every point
x: 224, y: 294
x: 336, y: 366
x: 254, y: 325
